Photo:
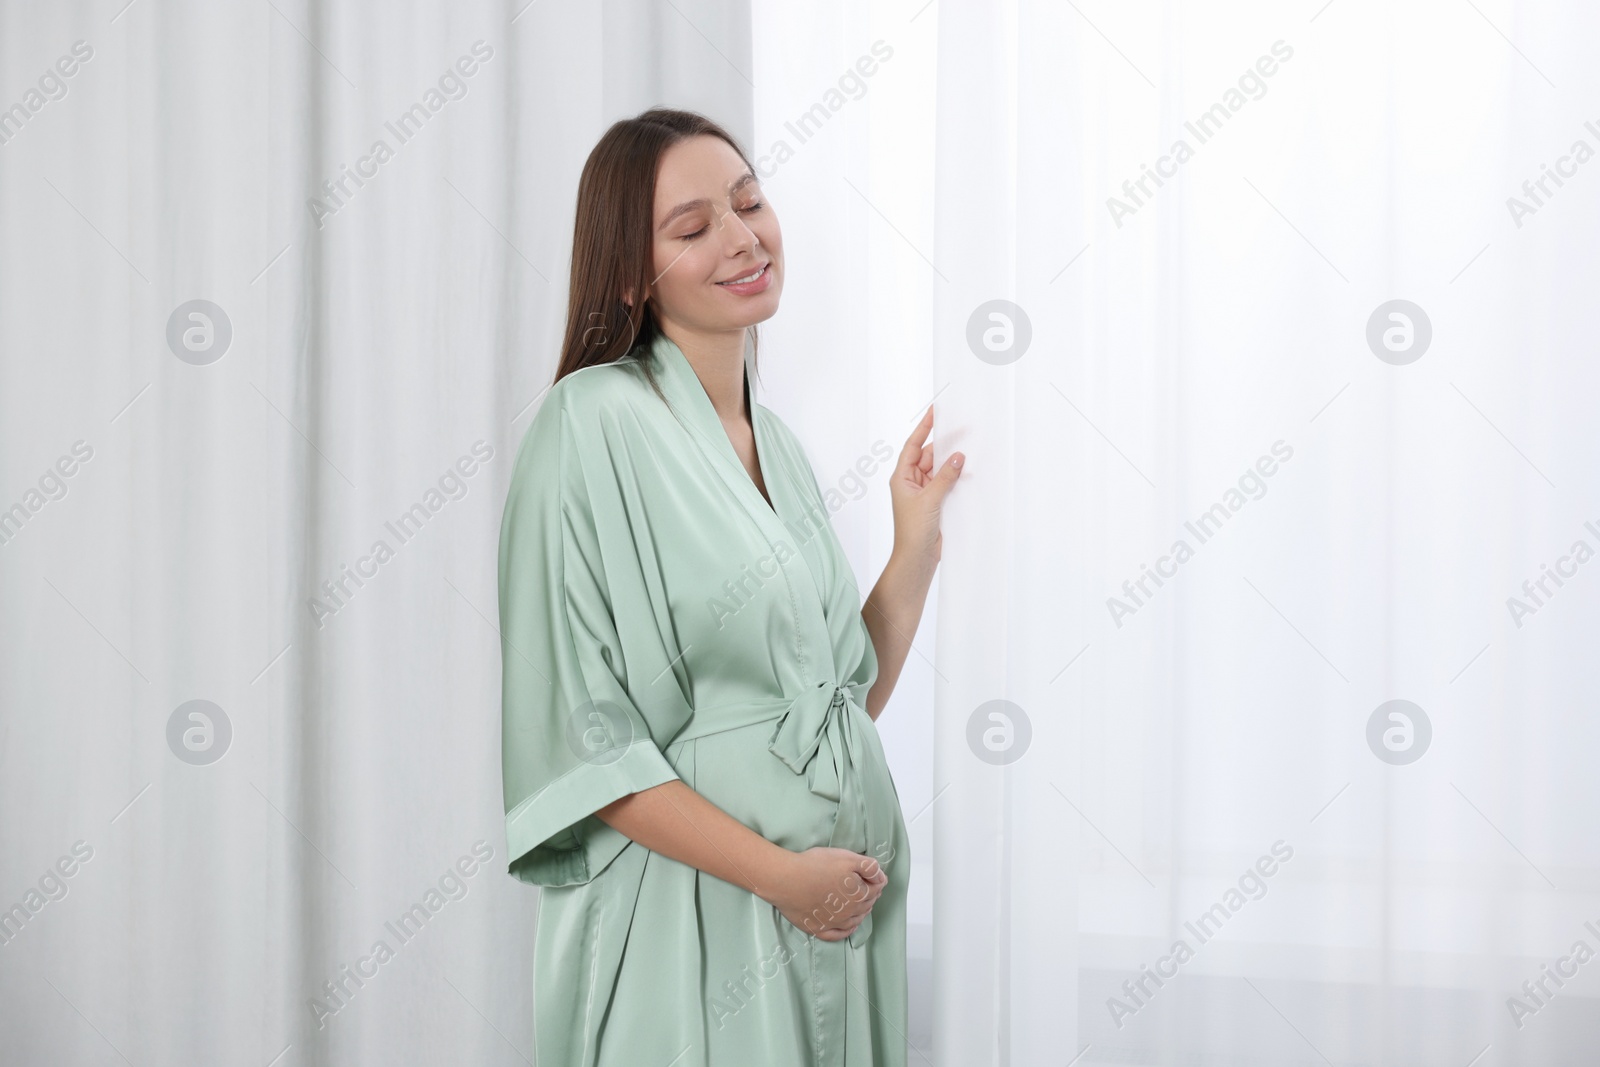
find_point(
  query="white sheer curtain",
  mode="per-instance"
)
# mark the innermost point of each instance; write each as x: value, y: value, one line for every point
x: 185, y: 504
x: 1208, y: 753
x: 211, y: 889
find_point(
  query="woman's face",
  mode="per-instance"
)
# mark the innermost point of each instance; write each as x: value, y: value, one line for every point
x: 713, y: 225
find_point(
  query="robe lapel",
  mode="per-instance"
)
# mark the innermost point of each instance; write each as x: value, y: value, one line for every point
x: 693, y: 407
x: 694, y: 410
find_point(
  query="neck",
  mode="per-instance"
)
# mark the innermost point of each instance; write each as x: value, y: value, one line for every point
x: 718, y: 361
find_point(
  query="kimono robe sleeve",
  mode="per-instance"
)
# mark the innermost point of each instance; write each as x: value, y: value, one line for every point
x: 572, y: 740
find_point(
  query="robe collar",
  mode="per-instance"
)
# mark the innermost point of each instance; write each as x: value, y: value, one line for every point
x: 694, y: 410
x: 693, y: 407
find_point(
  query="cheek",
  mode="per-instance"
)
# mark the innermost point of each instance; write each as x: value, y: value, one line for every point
x: 679, y: 266
x: 668, y: 267
x: 771, y: 236
x: 660, y: 257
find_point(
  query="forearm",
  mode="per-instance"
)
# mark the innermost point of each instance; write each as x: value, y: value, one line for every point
x: 682, y: 825
x: 892, y: 613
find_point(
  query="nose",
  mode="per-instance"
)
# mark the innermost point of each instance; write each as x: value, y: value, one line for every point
x: 736, y: 235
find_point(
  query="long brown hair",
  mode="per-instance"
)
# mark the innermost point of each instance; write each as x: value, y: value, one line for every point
x: 613, y: 238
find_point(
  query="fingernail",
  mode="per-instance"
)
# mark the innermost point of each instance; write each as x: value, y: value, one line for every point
x: 956, y: 463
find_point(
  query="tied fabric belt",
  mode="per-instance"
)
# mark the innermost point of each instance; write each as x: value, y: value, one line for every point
x: 849, y: 772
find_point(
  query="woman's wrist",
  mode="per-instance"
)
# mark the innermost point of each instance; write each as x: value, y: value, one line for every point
x: 773, y: 872
x: 915, y: 564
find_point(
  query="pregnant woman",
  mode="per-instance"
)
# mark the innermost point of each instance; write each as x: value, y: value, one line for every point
x: 692, y: 769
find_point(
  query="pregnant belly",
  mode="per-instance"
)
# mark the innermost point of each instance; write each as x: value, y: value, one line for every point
x: 820, y: 779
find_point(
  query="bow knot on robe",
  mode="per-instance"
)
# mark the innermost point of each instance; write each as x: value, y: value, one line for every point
x: 829, y: 711
x: 800, y: 732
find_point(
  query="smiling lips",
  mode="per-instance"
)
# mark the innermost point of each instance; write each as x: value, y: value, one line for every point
x: 754, y: 282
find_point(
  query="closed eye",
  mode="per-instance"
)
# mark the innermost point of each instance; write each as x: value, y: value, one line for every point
x: 757, y: 206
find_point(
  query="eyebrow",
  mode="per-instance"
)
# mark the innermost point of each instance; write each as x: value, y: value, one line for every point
x: 690, y: 205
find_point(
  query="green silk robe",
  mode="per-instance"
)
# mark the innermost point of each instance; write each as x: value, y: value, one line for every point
x: 660, y: 620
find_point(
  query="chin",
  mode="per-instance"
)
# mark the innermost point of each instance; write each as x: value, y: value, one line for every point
x: 754, y: 311
x: 764, y: 312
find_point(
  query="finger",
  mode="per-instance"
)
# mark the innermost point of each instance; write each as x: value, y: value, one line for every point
x: 913, y: 447
x: 942, y: 482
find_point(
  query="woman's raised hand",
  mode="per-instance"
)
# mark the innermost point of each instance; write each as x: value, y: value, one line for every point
x: 917, y: 494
